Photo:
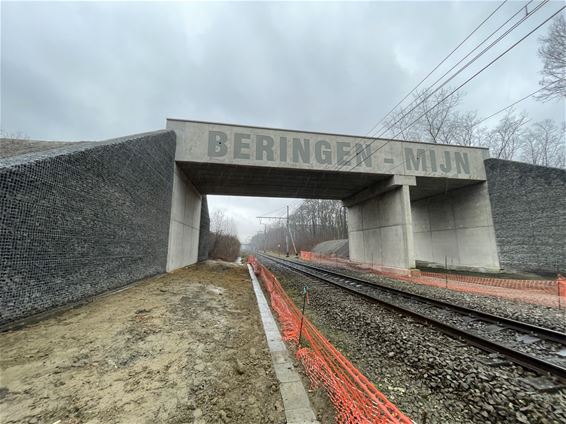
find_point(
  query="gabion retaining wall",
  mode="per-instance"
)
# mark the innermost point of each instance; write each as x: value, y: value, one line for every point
x: 528, y: 204
x: 82, y: 219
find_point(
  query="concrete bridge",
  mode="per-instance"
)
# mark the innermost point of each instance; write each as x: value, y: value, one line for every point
x: 79, y: 219
x: 406, y: 201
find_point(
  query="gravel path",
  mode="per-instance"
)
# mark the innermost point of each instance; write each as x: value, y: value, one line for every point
x: 420, y: 369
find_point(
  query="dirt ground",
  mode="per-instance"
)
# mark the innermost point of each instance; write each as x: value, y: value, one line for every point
x: 186, y: 347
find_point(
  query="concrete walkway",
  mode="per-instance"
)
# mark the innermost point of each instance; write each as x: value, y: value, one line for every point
x: 295, y: 399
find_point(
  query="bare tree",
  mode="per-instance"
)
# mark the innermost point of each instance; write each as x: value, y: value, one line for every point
x: 553, y: 53
x: 10, y: 135
x: 223, y: 243
x: 429, y: 118
x: 464, y: 130
x: 222, y: 224
x: 545, y: 144
x: 313, y: 222
x: 504, y: 141
x: 438, y: 122
x: 398, y: 124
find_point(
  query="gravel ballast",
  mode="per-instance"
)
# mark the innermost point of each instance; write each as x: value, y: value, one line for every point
x: 534, y: 314
x: 423, y: 371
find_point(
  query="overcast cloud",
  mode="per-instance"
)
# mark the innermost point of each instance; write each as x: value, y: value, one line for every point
x: 97, y: 70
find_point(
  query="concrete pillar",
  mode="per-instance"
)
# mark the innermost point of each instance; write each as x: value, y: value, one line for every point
x: 456, y: 227
x: 380, y: 229
x: 184, y: 227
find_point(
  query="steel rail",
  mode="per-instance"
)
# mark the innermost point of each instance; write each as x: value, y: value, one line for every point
x: 541, y: 332
x: 526, y: 360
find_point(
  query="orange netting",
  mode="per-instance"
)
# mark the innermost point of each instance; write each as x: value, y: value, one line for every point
x: 354, y: 397
x: 561, y: 281
x: 543, y: 292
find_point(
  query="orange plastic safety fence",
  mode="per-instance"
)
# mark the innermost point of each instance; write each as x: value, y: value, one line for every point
x: 561, y: 281
x: 355, y: 398
x: 543, y: 292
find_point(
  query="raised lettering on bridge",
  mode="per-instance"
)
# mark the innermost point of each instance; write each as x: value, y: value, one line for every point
x: 260, y: 147
x: 248, y: 146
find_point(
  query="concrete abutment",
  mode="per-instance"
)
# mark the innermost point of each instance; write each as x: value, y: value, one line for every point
x: 456, y: 229
x: 392, y: 232
x: 184, y: 227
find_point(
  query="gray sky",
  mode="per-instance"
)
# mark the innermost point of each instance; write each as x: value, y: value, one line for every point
x: 97, y: 70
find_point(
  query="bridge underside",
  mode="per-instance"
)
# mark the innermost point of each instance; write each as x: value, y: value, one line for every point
x: 239, y: 180
x: 393, y: 221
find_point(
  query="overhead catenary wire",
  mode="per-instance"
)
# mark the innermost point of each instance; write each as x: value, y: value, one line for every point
x: 440, y: 64
x: 510, y: 106
x: 485, y: 50
x: 508, y: 31
x: 471, y: 78
x: 339, y: 166
x: 292, y: 204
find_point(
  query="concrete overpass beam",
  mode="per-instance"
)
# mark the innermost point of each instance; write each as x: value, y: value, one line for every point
x: 380, y: 187
x: 184, y: 227
x: 380, y: 229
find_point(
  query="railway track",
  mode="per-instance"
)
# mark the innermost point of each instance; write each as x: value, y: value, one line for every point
x: 438, y: 313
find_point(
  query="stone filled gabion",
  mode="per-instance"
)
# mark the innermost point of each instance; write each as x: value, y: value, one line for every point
x: 528, y: 204
x: 82, y: 219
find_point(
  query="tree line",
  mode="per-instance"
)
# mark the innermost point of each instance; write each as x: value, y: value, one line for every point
x: 312, y: 222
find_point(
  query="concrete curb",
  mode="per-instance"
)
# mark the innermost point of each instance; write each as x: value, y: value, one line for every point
x: 296, y: 402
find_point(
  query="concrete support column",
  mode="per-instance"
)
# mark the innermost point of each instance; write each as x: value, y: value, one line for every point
x: 184, y: 227
x: 457, y: 228
x: 380, y: 228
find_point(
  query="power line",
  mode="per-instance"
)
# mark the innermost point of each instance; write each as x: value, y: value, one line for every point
x: 275, y: 210
x: 501, y: 37
x: 338, y: 166
x: 508, y: 31
x: 510, y: 106
x: 473, y: 76
x: 280, y: 208
x: 493, y: 114
x: 290, y: 205
x: 348, y: 161
x: 485, y: 67
x: 441, y: 63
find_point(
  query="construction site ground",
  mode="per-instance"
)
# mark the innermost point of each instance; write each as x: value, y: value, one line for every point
x: 185, y: 347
